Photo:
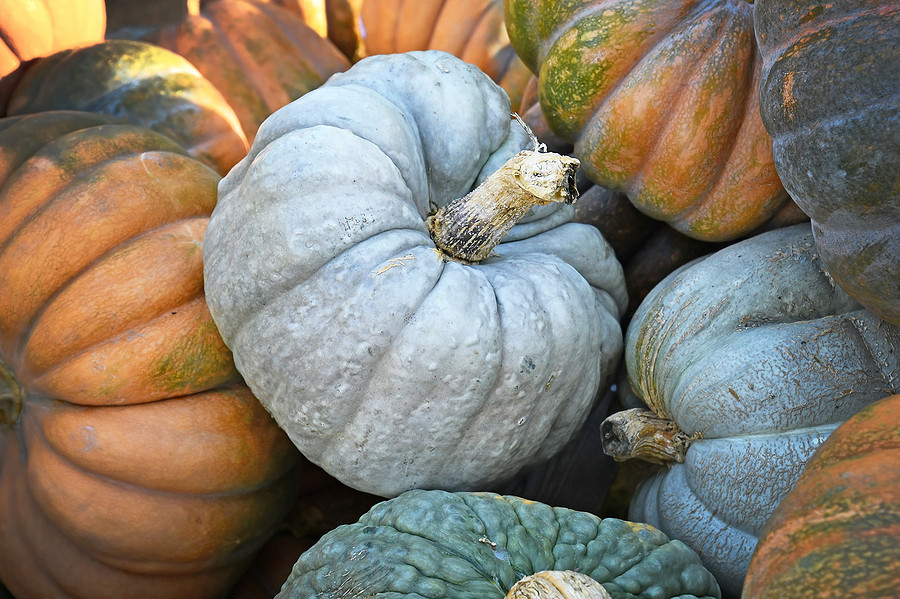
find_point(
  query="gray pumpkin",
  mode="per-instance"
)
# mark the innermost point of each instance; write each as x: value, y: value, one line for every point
x: 756, y: 356
x: 389, y: 366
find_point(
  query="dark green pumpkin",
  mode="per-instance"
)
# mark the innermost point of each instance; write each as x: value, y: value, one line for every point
x: 830, y: 98
x: 438, y: 545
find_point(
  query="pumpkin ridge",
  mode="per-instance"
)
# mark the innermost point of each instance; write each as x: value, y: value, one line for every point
x: 804, y: 30
x: 317, y: 67
x: 206, y: 369
x: 248, y: 69
x: 59, y: 197
x: 716, y: 42
x: 890, y: 368
x: 127, y: 246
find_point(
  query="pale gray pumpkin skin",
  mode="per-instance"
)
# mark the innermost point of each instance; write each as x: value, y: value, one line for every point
x: 388, y: 366
x: 756, y: 349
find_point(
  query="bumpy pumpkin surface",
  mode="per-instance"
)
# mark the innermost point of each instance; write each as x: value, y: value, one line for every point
x: 133, y: 461
x: 830, y: 98
x: 472, y: 30
x: 757, y: 355
x: 435, y: 544
x: 660, y: 100
x: 836, y: 532
x: 259, y: 55
x: 389, y: 366
x: 143, y: 84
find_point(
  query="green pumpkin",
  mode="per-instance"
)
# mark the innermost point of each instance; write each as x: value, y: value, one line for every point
x: 442, y: 545
x: 750, y: 357
x: 389, y: 366
x: 830, y: 98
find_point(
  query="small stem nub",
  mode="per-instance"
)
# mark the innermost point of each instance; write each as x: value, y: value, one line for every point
x: 642, y: 434
x: 467, y: 229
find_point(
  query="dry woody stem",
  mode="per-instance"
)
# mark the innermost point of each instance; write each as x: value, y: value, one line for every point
x: 642, y: 434
x: 558, y: 584
x: 467, y: 229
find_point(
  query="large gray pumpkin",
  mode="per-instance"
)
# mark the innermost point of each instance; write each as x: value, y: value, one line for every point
x: 388, y: 366
x: 757, y: 355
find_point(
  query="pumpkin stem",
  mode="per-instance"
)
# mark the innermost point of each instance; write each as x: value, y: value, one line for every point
x: 10, y: 397
x: 558, y: 584
x: 643, y: 434
x: 467, y: 229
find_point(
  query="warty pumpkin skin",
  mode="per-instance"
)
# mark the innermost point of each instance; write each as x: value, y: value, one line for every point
x: 660, y: 101
x: 390, y: 367
x: 755, y: 356
x: 133, y: 460
x: 472, y: 30
x: 830, y: 98
x: 259, y: 55
x: 435, y: 544
x: 835, y: 534
x: 42, y: 27
x: 143, y: 84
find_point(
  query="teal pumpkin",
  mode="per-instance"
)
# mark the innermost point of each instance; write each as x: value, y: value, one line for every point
x: 437, y: 544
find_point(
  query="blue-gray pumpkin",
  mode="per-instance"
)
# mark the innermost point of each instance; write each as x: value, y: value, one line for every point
x: 752, y: 356
x: 388, y: 365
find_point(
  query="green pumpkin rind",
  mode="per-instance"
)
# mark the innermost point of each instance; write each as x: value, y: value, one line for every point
x: 390, y: 367
x: 830, y: 98
x: 436, y: 544
x: 659, y: 99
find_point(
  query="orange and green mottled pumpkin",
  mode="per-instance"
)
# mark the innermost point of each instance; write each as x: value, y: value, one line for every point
x: 836, y: 533
x: 134, y: 462
x: 473, y: 30
x: 142, y: 84
x: 659, y: 98
x: 830, y: 98
x: 259, y: 55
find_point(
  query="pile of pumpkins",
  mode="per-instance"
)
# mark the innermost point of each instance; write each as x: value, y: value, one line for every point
x: 236, y: 361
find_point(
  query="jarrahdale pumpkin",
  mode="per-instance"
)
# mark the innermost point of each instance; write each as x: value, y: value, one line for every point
x: 143, y: 84
x: 42, y: 27
x: 438, y: 544
x: 659, y: 98
x: 259, y: 55
x: 390, y: 363
x: 835, y: 534
x: 133, y: 460
x: 830, y: 98
x: 747, y: 360
x: 473, y: 30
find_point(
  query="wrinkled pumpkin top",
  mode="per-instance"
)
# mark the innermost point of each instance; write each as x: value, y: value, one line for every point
x: 435, y: 544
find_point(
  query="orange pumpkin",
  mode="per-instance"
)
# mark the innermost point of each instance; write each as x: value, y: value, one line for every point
x: 338, y: 20
x: 133, y: 460
x: 259, y: 55
x: 42, y: 27
x: 472, y: 30
x: 143, y: 84
x: 660, y: 100
x: 836, y: 533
